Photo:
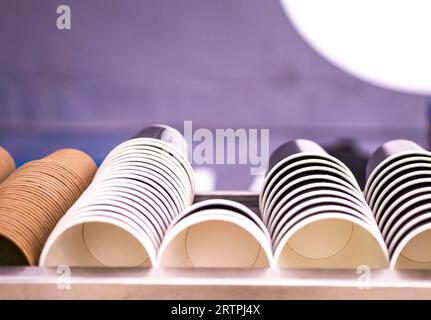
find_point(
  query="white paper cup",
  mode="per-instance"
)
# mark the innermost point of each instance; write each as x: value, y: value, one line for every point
x: 154, y: 150
x: 313, y: 206
x: 300, y: 162
x: 166, y: 134
x: 299, y: 175
x: 396, y: 188
x: 121, y: 214
x: 215, y: 238
x: 306, y: 186
x: 371, y: 185
x: 322, y: 196
x: 413, y: 250
x: 403, y: 171
x: 159, y: 175
x: 294, y: 148
x: 293, y: 151
x: 135, y: 205
x: 134, y: 144
x: 153, y: 199
x: 224, y: 204
x: 398, y: 193
x: 149, y: 173
x: 387, y: 154
x: 97, y: 241
x: 286, y: 173
x: 152, y: 188
x: 407, y: 223
x: 331, y: 241
x: 118, y: 211
x: 156, y: 147
x: 401, y: 204
x: 164, y: 162
x: 147, y: 178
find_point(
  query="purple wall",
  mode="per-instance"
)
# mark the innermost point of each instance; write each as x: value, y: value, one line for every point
x: 224, y: 63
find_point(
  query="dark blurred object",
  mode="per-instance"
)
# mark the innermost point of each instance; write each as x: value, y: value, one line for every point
x: 348, y: 151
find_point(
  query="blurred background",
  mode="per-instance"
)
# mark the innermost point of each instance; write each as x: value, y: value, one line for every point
x: 221, y: 64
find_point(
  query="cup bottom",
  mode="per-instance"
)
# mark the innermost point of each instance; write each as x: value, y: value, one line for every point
x: 321, y: 240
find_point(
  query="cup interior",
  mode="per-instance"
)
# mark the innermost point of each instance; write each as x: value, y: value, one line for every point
x: 215, y: 241
x: 331, y: 241
x: 314, y: 208
x: 97, y: 243
x: 413, y: 251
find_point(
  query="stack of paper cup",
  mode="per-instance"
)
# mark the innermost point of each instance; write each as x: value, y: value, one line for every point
x: 34, y: 198
x: 398, y: 190
x: 316, y: 213
x: 141, y: 186
x: 216, y: 233
x: 7, y: 164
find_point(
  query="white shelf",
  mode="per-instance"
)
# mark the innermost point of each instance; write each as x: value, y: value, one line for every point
x: 135, y: 283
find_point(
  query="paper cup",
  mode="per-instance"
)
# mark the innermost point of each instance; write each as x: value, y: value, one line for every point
x: 78, y: 161
x: 413, y: 250
x: 119, y: 205
x: 293, y: 151
x: 405, y: 171
x: 283, y: 187
x: 143, y: 182
x: 133, y: 144
x: 313, y: 206
x: 141, y: 198
x: 35, y: 197
x: 166, y: 134
x: 307, y: 186
x: 97, y: 241
x: 331, y: 241
x: 402, y: 215
x: 399, y: 163
x: 215, y: 239
x: 397, y: 188
x: 295, y: 162
x: 322, y: 196
x: 147, y: 178
x: 401, y: 204
x: 7, y: 164
x: 407, y: 223
x: 228, y: 205
x: 164, y: 162
x: 140, y: 187
x: 194, y: 237
x: 286, y: 172
x: 388, y: 152
x: 116, y: 213
x: 136, y: 148
x: 159, y: 174
x: 145, y: 192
